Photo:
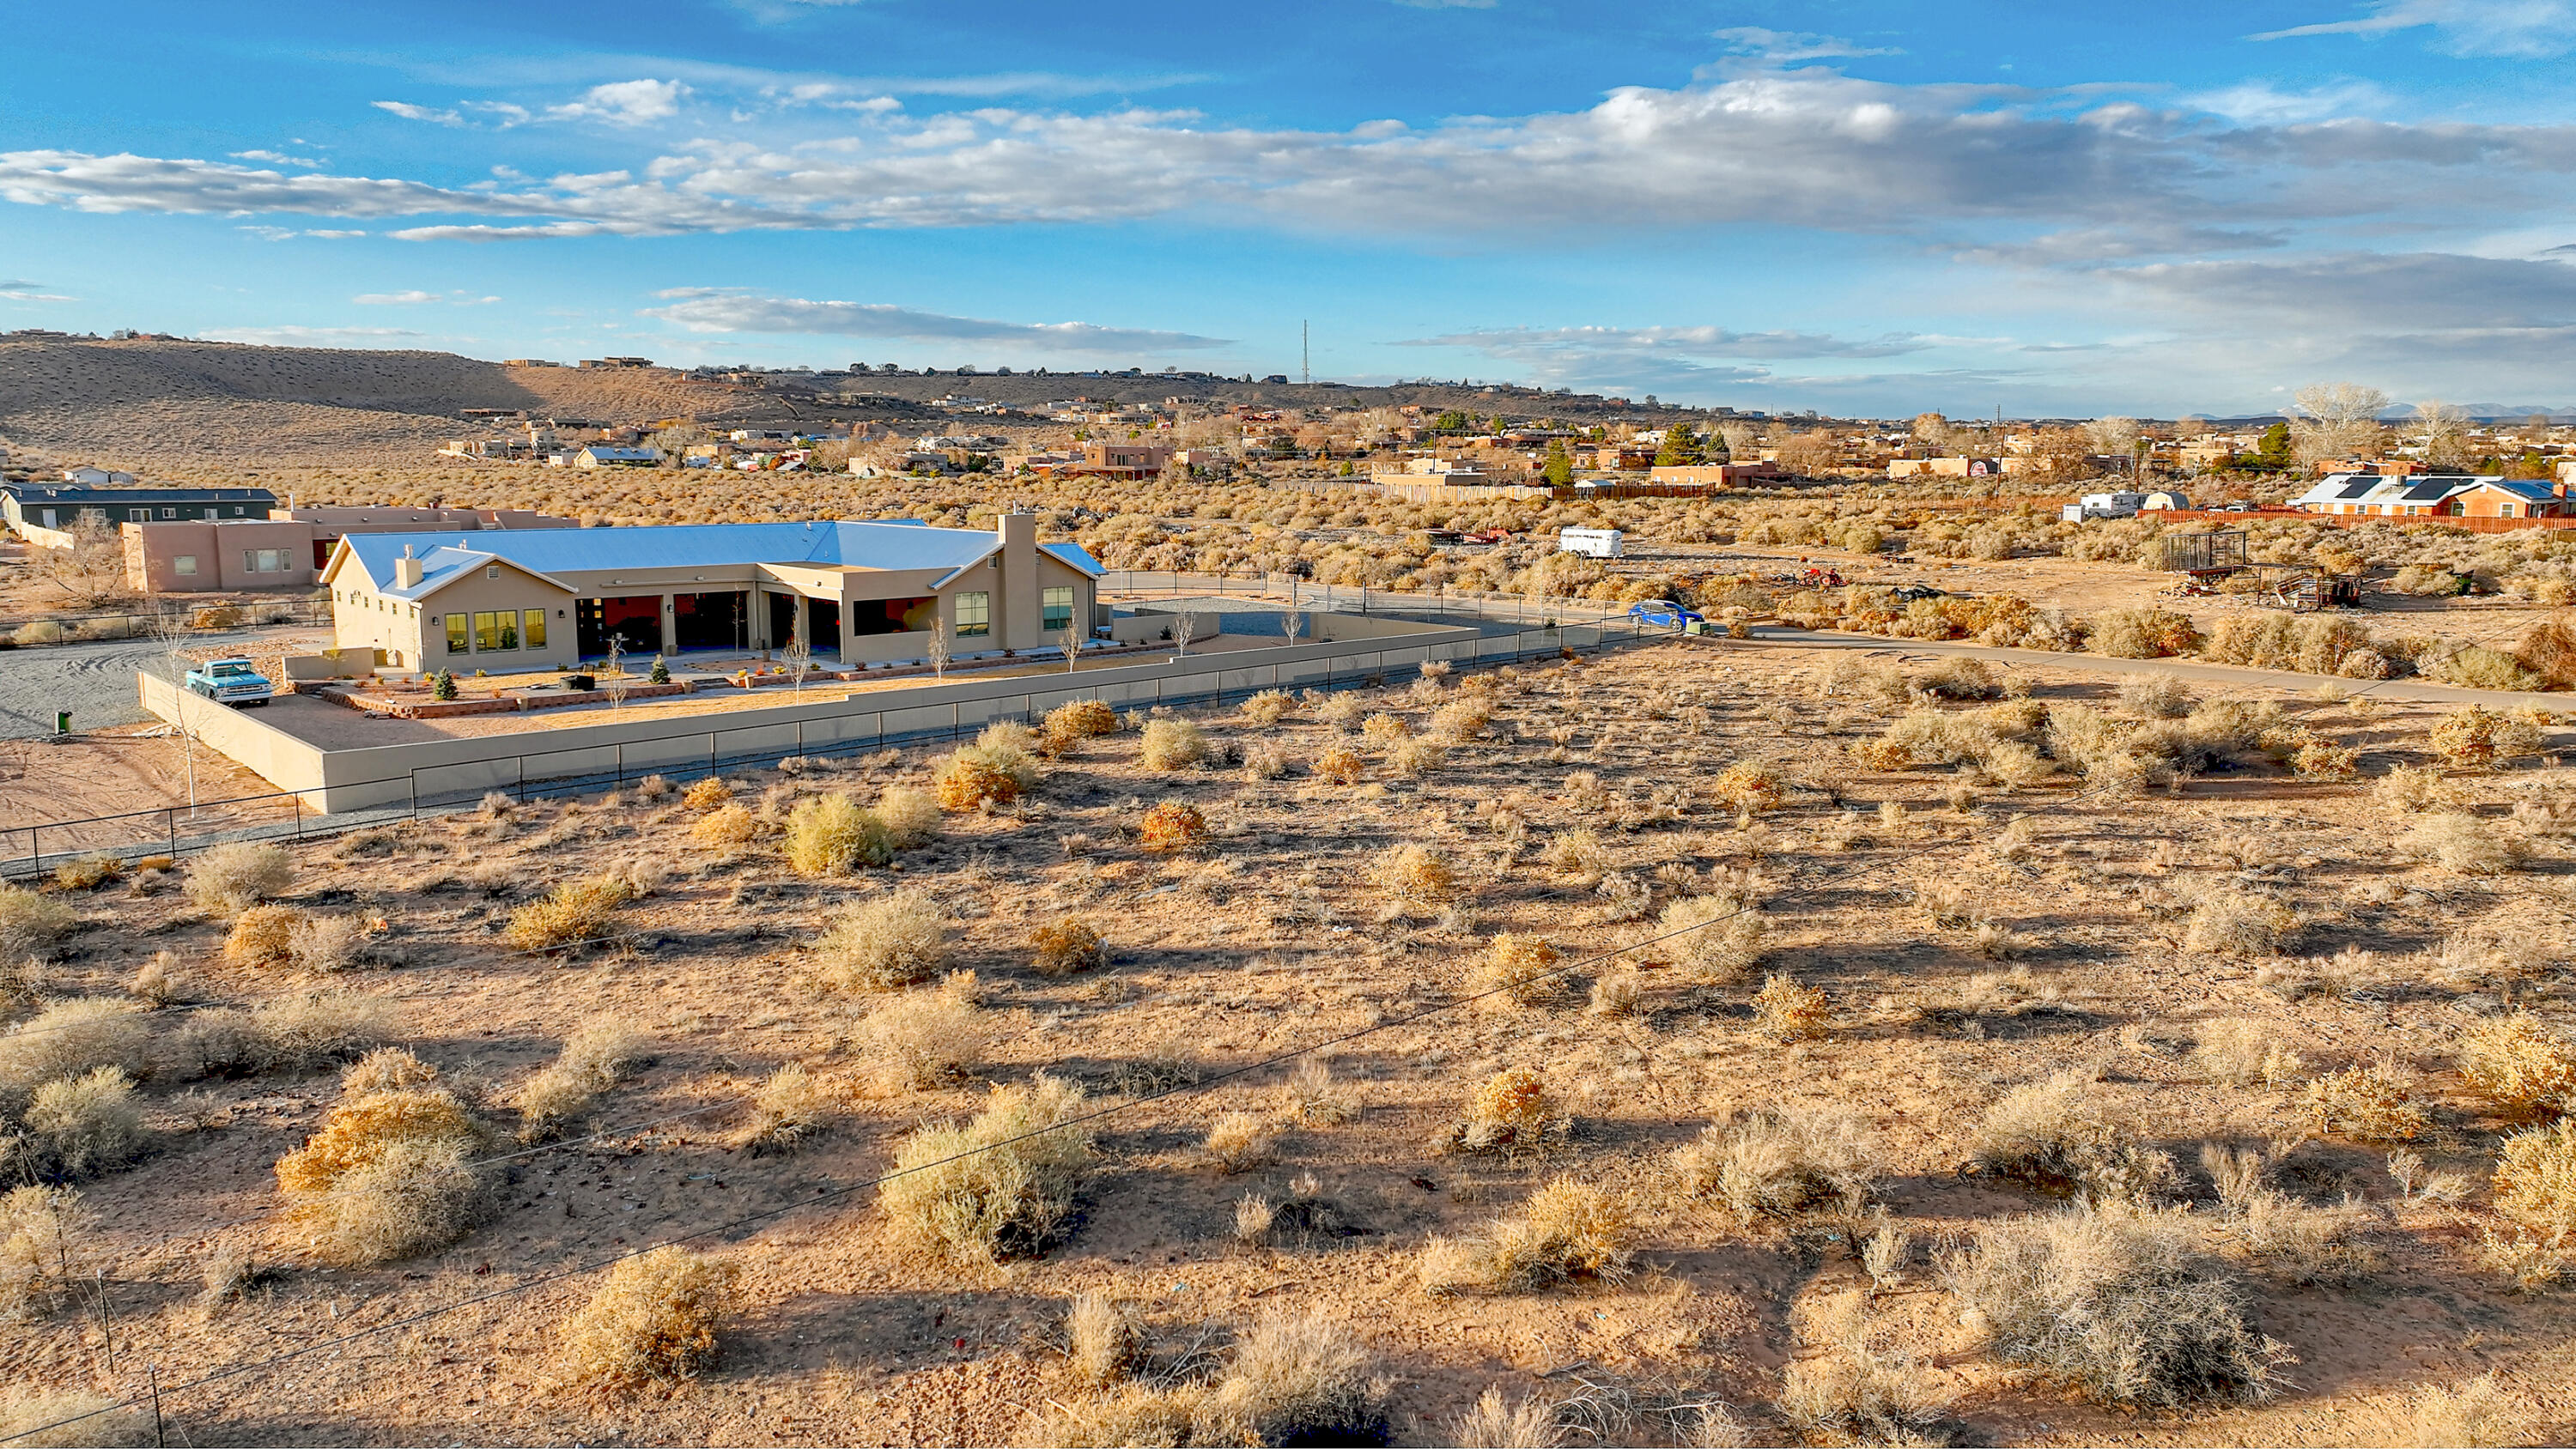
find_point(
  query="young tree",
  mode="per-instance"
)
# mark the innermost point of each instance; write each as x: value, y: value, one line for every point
x: 614, y: 676
x: 1185, y: 627
x: 170, y: 630
x: 1069, y: 643
x: 1292, y: 622
x: 938, y: 652
x: 798, y: 656
x: 92, y: 570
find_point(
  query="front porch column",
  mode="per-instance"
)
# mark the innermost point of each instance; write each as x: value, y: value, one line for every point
x: 670, y: 627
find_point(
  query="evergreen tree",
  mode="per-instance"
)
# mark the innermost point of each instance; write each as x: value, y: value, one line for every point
x: 1558, y: 470
x: 1681, y: 448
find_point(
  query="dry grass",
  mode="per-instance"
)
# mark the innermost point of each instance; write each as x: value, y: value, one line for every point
x: 232, y: 877
x: 2475, y: 737
x: 924, y: 1039
x: 1748, y: 788
x: 2480, y: 1413
x: 1102, y: 1341
x: 1568, y: 1231
x: 95, y: 1419
x: 791, y: 1105
x: 1296, y: 1379
x: 72, y: 1037
x: 1240, y: 1141
x: 832, y: 835
x: 45, y: 1238
x: 2239, y: 1051
x: 1784, y: 1160
x: 1312, y: 1097
x: 1008, y: 1201
x: 2519, y: 1062
x: 1062, y: 948
x: 909, y: 817
x: 1499, y: 1423
x: 2465, y: 844
x: 1172, y: 744
x: 1512, y: 1112
x: 1172, y: 827
x: 2122, y: 1304
x: 386, y: 1069
x: 314, y: 1028
x: 592, y: 1060
x: 883, y: 944
x: 88, y: 872
x: 77, y: 1126
x: 1851, y: 1393
x: 1522, y: 970
x: 2535, y: 1179
x: 2366, y: 1103
x: 31, y: 921
x: 653, y: 1323
x: 570, y: 915
x: 1783, y: 1010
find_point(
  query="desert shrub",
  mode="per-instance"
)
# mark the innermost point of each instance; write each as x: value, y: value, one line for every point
x: 1239, y: 1141
x: 94, y: 1418
x: 1512, y: 1112
x: 386, y: 1069
x: 790, y: 1106
x: 88, y: 872
x: 1173, y: 826
x: 1499, y: 1423
x: 72, y: 1037
x: 1061, y: 948
x: 2155, y: 696
x: 909, y: 817
x: 2237, y: 923
x: 728, y: 824
x: 1415, y: 873
x: 1522, y: 969
x: 570, y: 914
x: 1417, y: 757
x: 1340, y: 765
x: 1723, y: 935
x: 2304, y: 1243
x: 2366, y: 1104
x: 1786, y: 1011
x: 1102, y: 1342
x: 260, y: 935
x: 86, y: 1124
x: 706, y: 794
x: 2239, y: 1051
x: 592, y: 1060
x: 1340, y: 711
x: 2406, y: 789
x: 2119, y: 1303
x: 1296, y: 1379
x: 1172, y: 744
x: 924, y: 1039
x: 973, y: 776
x: 309, y: 1029
x: 1312, y: 1097
x: 2519, y: 1062
x: 832, y: 835
x: 2476, y: 737
x: 2478, y: 1414
x: 1783, y: 1160
x: 2053, y: 1133
x: 2142, y: 634
x: 236, y: 875
x: 388, y: 1176
x: 2474, y: 666
x: 883, y: 944
x: 1748, y: 787
x: 1268, y: 707
x: 2535, y: 1179
x: 1851, y: 1393
x: 1265, y: 762
x: 1013, y: 1200
x: 1067, y: 725
x: 2465, y: 844
x: 1960, y: 677
x: 1386, y: 729
x: 1461, y: 719
x: 654, y: 1321
x: 1568, y: 1231
x: 31, y: 920
x: 44, y: 1240
x: 329, y: 943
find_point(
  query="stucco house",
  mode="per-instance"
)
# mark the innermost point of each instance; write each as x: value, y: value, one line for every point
x: 2435, y: 496
x: 859, y: 593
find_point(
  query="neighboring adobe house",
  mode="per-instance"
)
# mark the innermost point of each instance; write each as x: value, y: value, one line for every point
x: 2435, y: 496
x: 287, y: 548
x: 862, y: 593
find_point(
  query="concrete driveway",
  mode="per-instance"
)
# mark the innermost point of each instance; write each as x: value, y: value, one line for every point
x: 94, y: 681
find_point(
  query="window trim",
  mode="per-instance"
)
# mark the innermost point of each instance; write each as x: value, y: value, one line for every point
x: 982, y: 627
x: 183, y: 565
x: 460, y: 638
x: 1048, y: 607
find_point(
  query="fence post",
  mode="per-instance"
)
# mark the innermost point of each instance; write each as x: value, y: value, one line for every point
x: 170, y: 817
x: 711, y: 754
x: 36, y: 847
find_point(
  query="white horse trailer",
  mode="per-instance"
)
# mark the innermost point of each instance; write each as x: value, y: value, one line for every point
x: 1591, y: 542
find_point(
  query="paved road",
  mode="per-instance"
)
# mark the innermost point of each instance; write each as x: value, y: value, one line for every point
x: 94, y: 681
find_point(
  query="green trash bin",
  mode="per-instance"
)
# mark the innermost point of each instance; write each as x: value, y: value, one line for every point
x: 62, y: 721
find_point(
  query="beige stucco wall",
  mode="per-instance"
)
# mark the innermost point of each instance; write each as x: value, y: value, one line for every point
x: 153, y: 551
x: 417, y: 633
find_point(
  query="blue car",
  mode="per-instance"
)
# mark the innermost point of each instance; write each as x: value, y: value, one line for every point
x: 1663, y: 614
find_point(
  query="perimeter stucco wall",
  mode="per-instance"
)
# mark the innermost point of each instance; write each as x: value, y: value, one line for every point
x: 463, y: 768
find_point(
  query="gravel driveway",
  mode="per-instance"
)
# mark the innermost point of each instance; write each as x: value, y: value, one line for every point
x: 94, y: 681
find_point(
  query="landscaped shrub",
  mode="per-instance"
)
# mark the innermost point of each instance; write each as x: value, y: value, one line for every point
x: 654, y: 1321
x: 570, y: 914
x: 883, y: 944
x: 1010, y: 1201
x: 233, y: 877
x: 2122, y: 1304
x: 1061, y: 948
x: 1568, y: 1231
x: 1172, y: 744
x: 831, y: 835
x: 1172, y: 826
x: 1783, y: 1160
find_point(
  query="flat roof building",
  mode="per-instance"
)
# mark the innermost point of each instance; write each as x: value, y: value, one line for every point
x: 60, y: 507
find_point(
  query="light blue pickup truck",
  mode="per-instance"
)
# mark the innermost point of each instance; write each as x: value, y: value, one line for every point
x: 230, y: 681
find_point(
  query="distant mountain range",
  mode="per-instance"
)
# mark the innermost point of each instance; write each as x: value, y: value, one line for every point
x: 2477, y: 412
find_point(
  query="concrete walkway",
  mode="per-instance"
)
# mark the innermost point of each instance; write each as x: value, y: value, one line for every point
x: 2199, y: 671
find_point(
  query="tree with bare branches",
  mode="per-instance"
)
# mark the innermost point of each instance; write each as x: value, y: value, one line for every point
x: 2341, y: 420
x: 1185, y: 627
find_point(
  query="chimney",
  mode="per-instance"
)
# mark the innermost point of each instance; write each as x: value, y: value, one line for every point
x: 406, y: 570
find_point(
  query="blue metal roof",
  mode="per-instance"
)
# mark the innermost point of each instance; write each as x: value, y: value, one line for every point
x: 873, y: 545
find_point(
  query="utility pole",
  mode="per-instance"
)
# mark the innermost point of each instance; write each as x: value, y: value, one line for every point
x: 1305, y: 357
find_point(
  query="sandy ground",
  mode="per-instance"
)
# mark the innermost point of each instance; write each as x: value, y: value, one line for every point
x: 1276, y: 937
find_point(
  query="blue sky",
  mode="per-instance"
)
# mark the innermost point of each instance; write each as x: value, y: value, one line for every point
x: 1853, y: 207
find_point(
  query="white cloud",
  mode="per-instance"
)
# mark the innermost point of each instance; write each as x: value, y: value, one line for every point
x: 2260, y: 102
x: 410, y: 112
x: 393, y: 299
x: 24, y: 291
x: 276, y: 158
x: 625, y: 103
x: 710, y: 309
x: 312, y: 336
x: 2513, y: 29
x: 1789, y: 45
x: 1532, y: 342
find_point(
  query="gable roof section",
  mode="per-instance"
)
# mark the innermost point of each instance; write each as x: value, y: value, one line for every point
x: 1073, y: 555
x: 554, y: 551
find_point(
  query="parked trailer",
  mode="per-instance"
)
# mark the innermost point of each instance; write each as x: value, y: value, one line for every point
x: 1591, y: 542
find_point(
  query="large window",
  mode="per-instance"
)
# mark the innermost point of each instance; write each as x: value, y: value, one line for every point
x: 974, y: 615
x: 264, y: 560
x: 1055, y: 609
x: 496, y: 630
x: 536, y: 628
x: 456, y: 633
x: 184, y: 565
